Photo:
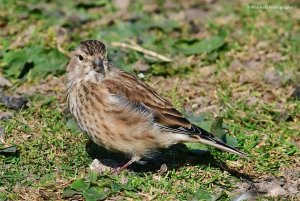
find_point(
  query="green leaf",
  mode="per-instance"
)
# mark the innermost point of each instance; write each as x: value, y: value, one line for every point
x: 203, y: 120
x: 231, y: 141
x: 121, y: 31
x: 218, y: 131
x: 115, y: 187
x: 72, y: 125
x: 197, y: 118
x: 94, y: 194
x: 68, y: 192
x: 93, y: 177
x: 34, y: 60
x: 202, y: 195
x: 165, y: 25
x: 206, y: 45
x: 217, y: 127
x: 48, y: 101
x: 80, y: 185
x: 92, y: 4
x: 206, y: 125
x: 3, y: 196
x: 129, y: 186
x: 8, y: 150
x: 194, y: 146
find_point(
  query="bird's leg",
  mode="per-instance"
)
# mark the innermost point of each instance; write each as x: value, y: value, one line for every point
x: 132, y: 160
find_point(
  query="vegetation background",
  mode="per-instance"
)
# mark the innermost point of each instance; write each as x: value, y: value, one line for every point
x: 238, y: 60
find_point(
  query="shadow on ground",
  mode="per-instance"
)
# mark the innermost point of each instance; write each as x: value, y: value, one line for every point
x: 174, y: 158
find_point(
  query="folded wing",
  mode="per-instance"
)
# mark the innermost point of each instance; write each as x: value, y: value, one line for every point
x: 165, y: 115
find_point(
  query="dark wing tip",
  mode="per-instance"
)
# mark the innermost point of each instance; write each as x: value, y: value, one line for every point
x: 209, y: 138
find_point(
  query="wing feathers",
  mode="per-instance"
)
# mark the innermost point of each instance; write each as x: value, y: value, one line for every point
x: 166, y: 117
x: 137, y: 92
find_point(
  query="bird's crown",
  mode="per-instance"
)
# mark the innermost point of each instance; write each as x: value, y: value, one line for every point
x: 92, y: 47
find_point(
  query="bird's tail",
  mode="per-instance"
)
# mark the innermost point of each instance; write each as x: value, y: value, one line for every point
x: 209, y: 139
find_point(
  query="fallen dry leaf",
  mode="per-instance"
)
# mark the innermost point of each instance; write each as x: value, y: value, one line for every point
x: 123, y: 180
x: 163, y: 168
x: 98, y: 167
x: 13, y: 102
x: 141, y: 66
x: 4, y: 82
x: 272, y: 77
x: 5, y: 115
x: 296, y: 93
x: 121, y: 4
x: 285, y: 186
x: 2, y: 135
x: 23, y: 38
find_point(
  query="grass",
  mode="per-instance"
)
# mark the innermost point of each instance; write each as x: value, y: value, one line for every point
x: 247, y: 77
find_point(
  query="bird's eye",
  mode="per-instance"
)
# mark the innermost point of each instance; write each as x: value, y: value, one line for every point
x: 80, y: 57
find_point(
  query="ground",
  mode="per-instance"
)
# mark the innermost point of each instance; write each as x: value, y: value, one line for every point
x: 237, y: 60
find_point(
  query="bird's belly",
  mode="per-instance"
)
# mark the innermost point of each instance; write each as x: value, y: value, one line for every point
x: 131, y: 140
x: 134, y: 136
x: 134, y: 139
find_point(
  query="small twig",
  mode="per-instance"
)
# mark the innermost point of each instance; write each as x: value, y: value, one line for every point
x: 141, y: 49
x: 64, y: 52
x: 61, y: 38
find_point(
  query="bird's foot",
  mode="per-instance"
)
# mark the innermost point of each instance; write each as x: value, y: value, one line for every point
x: 118, y: 170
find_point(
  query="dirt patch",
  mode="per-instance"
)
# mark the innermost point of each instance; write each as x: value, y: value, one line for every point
x: 287, y: 186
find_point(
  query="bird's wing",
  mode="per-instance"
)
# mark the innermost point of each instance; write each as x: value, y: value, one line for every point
x: 137, y: 92
x: 166, y: 117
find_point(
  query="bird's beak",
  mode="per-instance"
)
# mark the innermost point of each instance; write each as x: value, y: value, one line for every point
x: 98, y: 66
x: 98, y: 63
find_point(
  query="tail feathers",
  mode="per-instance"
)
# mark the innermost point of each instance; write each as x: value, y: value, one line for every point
x: 208, y: 138
x: 200, y: 135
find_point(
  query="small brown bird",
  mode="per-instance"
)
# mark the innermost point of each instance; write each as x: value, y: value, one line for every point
x: 121, y: 113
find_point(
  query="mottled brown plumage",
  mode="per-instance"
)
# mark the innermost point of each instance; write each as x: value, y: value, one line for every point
x: 120, y: 112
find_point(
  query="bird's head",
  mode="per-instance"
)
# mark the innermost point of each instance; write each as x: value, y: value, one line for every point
x: 88, y: 59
